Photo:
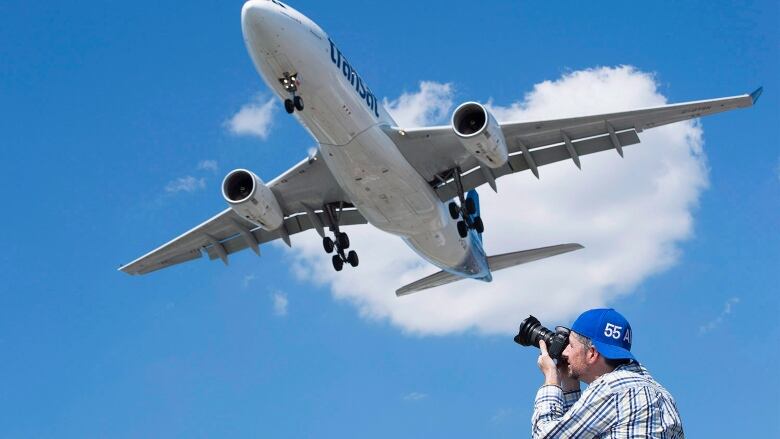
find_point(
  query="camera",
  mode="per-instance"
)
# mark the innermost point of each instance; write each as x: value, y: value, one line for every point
x: 531, y: 331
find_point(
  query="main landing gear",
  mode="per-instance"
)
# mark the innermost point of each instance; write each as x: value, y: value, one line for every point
x: 465, y: 210
x: 339, y: 243
x: 290, y: 83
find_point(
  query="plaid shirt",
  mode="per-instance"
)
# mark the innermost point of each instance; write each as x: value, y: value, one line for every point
x: 624, y: 403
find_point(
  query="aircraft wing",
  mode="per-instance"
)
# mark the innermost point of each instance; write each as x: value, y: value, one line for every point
x: 435, y: 151
x: 301, y: 192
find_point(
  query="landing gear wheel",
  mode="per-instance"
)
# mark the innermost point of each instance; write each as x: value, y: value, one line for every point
x: 471, y: 206
x: 478, y: 226
x: 454, y: 211
x: 289, y: 106
x: 342, y: 240
x: 338, y: 264
x: 298, y: 102
x: 463, y: 230
x: 352, y: 258
x: 327, y: 244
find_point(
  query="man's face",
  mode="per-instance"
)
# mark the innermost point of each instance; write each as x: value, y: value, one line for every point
x: 576, y: 354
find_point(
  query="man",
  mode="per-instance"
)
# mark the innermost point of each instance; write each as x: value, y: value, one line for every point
x: 622, y: 400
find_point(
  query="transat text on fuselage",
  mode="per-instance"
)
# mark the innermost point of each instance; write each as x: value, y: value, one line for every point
x: 352, y: 76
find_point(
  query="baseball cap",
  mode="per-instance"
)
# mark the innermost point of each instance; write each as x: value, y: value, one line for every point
x: 608, y: 330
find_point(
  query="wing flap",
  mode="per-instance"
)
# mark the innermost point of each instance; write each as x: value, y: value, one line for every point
x: 434, y: 151
x: 164, y: 262
x: 517, y: 163
x: 224, y: 234
x: 308, y: 183
x: 187, y: 246
x: 294, y: 224
x: 540, y: 133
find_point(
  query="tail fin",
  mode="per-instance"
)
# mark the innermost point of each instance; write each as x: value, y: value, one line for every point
x: 473, y: 195
x: 498, y: 262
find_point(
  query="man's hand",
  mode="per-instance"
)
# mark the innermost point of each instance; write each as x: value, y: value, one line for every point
x: 547, y: 366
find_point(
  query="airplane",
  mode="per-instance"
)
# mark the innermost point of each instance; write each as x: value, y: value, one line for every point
x: 416, y: 183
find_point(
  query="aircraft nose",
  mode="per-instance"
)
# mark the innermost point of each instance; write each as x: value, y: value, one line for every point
x: 258, y: 21
x: 255, y: 12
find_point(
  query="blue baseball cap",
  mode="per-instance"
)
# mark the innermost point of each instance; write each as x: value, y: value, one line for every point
x: 608, y: 330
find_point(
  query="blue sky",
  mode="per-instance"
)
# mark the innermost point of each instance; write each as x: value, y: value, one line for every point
x: 115, y: 135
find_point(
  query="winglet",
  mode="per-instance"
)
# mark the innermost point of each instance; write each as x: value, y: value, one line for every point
x: 755, y: 95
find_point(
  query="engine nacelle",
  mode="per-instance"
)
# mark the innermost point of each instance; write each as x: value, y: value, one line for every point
x: 480, y: 134
x: 250, y: 198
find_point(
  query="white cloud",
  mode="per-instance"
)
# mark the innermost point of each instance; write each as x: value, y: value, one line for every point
x: 630, y: 214
x: 428, y: 106
x: 248, y: 279
x: 185, y: 184
x: 253, y: 119
x: 728, y: 307
x: 280, y: 303
x: 414, y: 396
x: 208, y: 165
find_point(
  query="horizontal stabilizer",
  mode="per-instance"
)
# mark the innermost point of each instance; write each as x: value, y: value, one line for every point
x: 498, y: 262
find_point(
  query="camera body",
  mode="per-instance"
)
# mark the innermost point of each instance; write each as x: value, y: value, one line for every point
x: 531, y: 331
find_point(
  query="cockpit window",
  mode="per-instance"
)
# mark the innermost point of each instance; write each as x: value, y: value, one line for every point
x: 279, y: 3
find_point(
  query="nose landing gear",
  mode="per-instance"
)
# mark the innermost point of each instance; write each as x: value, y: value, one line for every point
x: 290, y: 83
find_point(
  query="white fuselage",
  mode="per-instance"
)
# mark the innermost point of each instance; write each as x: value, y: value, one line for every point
x: 346, y: 118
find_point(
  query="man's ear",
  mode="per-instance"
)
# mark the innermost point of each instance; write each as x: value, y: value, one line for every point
x: 592, y: 356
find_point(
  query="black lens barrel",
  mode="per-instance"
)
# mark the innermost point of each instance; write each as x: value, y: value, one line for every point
x: 531, y: 331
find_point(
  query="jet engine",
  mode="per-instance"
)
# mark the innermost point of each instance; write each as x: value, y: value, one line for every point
x: 480, y: 134
x: 249, y: 197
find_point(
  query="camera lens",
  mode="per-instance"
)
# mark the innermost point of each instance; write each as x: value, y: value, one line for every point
x: 531, y: 331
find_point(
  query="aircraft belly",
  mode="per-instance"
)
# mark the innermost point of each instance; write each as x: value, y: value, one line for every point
x: 325, y: 128
x: 383, y: 186
x: 334, y: 112
x: 443, y: 247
